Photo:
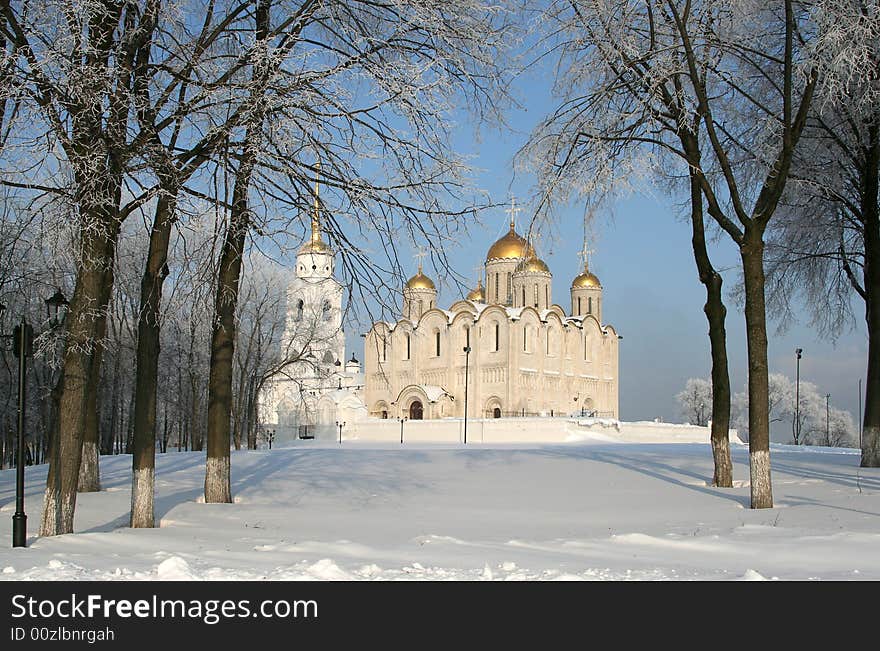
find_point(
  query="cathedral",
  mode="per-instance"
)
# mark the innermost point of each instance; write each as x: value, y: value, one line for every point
x: 505, y: 349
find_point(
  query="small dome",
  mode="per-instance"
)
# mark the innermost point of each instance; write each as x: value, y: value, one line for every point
x: 420, y: 281
x: 586, y: 279
x: 477, y: 295
x: 511, y: 246
x: 532, y: 263
x: 315, y: 246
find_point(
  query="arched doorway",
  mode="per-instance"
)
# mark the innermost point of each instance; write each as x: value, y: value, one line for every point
x: 416, y: 410
x: 496, y: 413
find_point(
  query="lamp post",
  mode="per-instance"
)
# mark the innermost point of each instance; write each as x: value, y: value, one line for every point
x: 797, y: 398
x: 467, y: 354
x: 23, y: 347
x: 340, y: 426
x: 402, y: 421
x: 827, y: 419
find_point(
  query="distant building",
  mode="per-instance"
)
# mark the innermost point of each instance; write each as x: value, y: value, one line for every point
x: 527, y: 356
x: 315, y: 385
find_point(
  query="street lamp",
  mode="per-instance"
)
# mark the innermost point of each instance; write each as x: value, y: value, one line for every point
x: 23, y: 347
x: 402, y: 421
x: 797, y: 398
x: 467, y: 353
x: 827, y: 419
x: 340, y: 426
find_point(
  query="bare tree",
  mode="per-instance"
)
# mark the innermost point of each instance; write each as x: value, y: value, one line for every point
x: 826, y: 245
x: 304, y: 97
x: 719, y: 87
x: 696, y: 400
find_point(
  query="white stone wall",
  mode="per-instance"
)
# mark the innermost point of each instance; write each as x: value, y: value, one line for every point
x: 526, y: 430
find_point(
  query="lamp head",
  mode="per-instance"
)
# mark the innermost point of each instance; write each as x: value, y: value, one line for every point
x: 56, y: 307
x: 799, y: 351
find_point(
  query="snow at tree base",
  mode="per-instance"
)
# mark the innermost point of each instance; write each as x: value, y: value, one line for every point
x: 581, y: 510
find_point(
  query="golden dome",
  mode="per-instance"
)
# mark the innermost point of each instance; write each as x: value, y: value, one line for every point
x: 510, y: 246
x: 420, y: 281
x: 315, y: 246
x: 477, y: 295
x: 586, y: 279
x: 532, y: 263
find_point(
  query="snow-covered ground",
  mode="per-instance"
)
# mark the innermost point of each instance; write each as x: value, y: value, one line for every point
x: 584, y: 510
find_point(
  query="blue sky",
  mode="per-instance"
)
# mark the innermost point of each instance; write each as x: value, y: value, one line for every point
x: 652, y: 295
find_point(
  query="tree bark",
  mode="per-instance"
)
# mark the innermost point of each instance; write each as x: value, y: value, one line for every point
x: 217, y: 472
x: 218, y: 485
x: 752, y: 254
x: 98, y: 245
x: 871, y: 216
x: 89, y: 470
x: 143, y: 461
x: 716, y: 314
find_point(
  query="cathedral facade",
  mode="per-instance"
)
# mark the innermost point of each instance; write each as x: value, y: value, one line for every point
x: 505, y: 349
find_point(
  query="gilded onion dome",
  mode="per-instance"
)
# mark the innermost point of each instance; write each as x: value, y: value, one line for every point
x: 420, y: 281
x: 511, y: 246
x: 477, y: 295
x: 585, y: 279
x: 532, y: 263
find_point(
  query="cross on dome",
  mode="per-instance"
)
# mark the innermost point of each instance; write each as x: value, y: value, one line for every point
x: 512, y: 211
x: 418, y: 256
x: 584, y: 254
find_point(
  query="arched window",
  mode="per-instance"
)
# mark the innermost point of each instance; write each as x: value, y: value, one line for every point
x: 384, y: 349
x: 497, y: 337
x: 437, y: 343
x: 325, y: 311
x: 408, y: 344
x: 546, y: 296
x: 496, y: 287
x: 384, y: 414
x: 536, y: 295
x: 421, y: 307
x: 590, y: 305
x: 509, y: 293
x: 579, y: 305
x: 496, y: 413
x: 298, y: 313
x: 524, y: 296
x: 525, y: 338
x: 467, y: 336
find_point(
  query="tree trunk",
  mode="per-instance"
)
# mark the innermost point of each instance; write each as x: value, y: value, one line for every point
x: 143, y: 460
x: 218, y: 486
x: 752, y: 254
x: 716, y: 313
x: 217, y: 473
x: 870, y: 195
x: 89, y: 471
x: 98, y: 244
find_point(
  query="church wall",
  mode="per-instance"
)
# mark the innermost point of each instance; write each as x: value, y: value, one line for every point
x: 526, y: 430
